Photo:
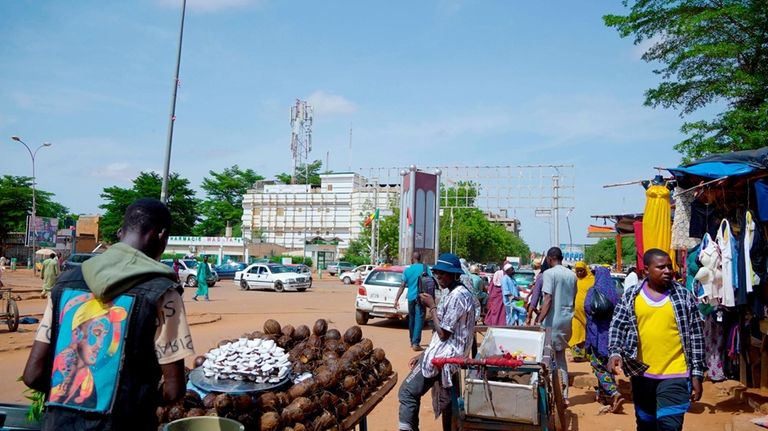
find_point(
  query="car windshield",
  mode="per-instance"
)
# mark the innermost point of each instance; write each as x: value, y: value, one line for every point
x: 277, y: 269
x: 385, y: 278
x: 190, y: 263
x: 79, y: 258
x: 524, y: 278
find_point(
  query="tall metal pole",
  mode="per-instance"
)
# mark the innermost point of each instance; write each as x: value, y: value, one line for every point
x: 172, y: 120
x: 438, y: 172
x: 556, y: 205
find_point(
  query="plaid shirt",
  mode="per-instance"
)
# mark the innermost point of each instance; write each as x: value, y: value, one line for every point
x: 623, y: 335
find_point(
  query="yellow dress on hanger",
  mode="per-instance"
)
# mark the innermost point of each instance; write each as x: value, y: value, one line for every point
x: 657, y: 220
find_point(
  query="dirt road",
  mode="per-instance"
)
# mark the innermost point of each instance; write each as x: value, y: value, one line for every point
x: 245, y: 311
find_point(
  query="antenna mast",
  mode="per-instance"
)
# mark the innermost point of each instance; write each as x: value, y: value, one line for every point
x: 301, y: 135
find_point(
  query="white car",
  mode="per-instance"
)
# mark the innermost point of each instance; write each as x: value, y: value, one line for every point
x: 359, y: 273
x: 188, y: 272
x: 271, y: 276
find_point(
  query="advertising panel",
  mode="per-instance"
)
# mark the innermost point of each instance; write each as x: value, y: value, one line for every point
x: 43, y: 230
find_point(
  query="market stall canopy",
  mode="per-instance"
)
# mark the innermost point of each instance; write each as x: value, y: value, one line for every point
x: 600, y: 231
x: 725, y: 165
x: 622, y: 224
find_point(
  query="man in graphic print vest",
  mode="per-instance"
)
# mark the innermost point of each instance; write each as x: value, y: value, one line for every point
x: 656, y: 338
x: 111, y: 330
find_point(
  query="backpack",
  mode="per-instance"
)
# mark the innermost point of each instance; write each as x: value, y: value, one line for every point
x: 427, y: 283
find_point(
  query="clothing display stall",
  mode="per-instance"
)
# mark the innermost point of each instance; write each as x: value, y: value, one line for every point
x: 720, y: 227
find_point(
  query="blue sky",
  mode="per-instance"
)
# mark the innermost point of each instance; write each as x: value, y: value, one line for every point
x: 443, y: 82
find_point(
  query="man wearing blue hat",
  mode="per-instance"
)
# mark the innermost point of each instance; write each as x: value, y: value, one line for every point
x: 454, y: 323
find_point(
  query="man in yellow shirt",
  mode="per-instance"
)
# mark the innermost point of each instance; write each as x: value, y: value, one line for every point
x: 656, y: 338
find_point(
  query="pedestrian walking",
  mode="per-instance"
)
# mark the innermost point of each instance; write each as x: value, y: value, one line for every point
x: 454, y: 323
x: 48, y: 273
x: 559, y: 291
x: 599, y: 305
x: 511, y: 297
x: 112, y: 331
x: 584, y: 280
x: 656, y: 338
x: 632, y: 278
x: 497, y: 314
x: 479, y: 288
x: 411, y: 276
x: 203, y: 272
x: 176, y: 268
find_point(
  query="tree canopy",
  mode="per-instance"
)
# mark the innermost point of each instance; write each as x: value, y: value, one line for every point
x: 224, y: 200
x: 710, y: 52
x: 16, y: 205
x: 604, y: 251
x: 311, y: 170
x: 184, y: 207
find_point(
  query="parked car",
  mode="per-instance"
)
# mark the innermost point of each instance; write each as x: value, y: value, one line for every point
x: 349, y: 277
x: 339, y: 267
x: 75, y: 260
x: 524, y: 279
x: 376, y: 296
x: 271, y: 276
x: 228, y: 270
x: 618, y: 278
x: 300, y: 268
x: 188, y: 272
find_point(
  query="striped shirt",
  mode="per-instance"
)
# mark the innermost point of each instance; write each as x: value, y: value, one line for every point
x: 623, y: 335
x: 456, y: 314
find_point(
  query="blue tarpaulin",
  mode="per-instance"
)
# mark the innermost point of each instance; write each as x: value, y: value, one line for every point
x: 713, y: 170
x: 728, y: 164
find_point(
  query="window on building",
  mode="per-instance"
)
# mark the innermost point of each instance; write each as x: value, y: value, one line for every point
x: 330, y: 187
x: 257, y: 211
x: 280, y: 212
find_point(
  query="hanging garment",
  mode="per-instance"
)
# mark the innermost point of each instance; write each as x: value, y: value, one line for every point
x: 657, y: 220
x: 710, y: 275
x: 713, y: 348
x: 725, y: 242
x: 703, y: 220
x: 692, y: 267
x: 748, y: 233
x: 681, y: 225
x: 639, y: 247
x: 761, y: 194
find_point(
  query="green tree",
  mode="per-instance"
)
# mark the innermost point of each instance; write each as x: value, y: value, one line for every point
x: 184, y: 207
x: 16, y: 205
x: 475, y: 238
x: 604, y: 251
x: 710, y: 52
x: 224, y: 200
x: 302, y: 172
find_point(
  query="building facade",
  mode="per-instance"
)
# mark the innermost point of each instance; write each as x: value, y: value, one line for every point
x: 291, y: 214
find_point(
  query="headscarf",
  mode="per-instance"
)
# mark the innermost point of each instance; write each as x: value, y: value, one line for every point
x: 584, y: 283
x: 605, y: 284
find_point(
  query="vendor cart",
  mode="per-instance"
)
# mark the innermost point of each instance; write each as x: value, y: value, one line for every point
x: 359, y: 417
x: 9, y: 311
x: 534, y: 402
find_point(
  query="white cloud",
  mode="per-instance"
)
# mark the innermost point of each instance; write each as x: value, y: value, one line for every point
x: 115, y: 171
x: 213, y: 5
x: 329, y: 104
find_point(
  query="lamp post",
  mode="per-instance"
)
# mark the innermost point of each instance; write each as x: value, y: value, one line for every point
x: 32, y: 154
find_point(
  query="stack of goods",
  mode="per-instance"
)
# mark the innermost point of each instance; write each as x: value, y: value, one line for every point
x: 336, y: 374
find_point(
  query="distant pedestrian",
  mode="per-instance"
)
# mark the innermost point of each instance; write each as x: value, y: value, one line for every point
x: 203, y: 272
x: 176, y: 268
x: 479, y: 288
x: 60, y: 260
x: 598, y: 326
x: 584, y: 280
x: 533, y: 302
x: 656, y: 338
x: 49, y: 272
x: 416, y: 310
x: 3, y: 261
x: 632, y: 278
x: 559, y: 290
x: 497, y: 315
x: 511, y: 296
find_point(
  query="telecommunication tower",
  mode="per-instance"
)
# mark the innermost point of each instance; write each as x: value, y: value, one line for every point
x: 301, y: 134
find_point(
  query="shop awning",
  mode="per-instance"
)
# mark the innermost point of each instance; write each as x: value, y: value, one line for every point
x: 725, y: 165
x: 600, y: 231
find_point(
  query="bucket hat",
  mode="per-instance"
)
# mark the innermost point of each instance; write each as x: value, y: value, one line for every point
x: 448, y: 262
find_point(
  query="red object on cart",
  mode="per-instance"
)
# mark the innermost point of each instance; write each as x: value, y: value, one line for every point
x: 506, y: 360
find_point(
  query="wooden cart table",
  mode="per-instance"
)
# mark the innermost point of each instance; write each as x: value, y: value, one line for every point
x: 360, y: 415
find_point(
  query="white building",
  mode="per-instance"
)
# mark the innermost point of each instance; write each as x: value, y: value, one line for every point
x: 287, y: 215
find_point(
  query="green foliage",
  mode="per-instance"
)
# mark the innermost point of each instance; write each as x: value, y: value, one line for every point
x: 710, y: 52
x: 16, y: 204
x: 463, y: 194
x: 182, y: 203
x: 313, y: 169
x: 35, y: 412
x: 477, y: 239
x: 294, y: 260
x: 224, y: 200
x: 604, y: 251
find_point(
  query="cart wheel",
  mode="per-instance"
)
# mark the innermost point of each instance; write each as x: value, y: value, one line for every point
x: 558, y: 407
x: 12, y: 318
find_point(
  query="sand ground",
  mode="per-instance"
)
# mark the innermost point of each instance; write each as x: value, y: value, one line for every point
x: 233, y: 312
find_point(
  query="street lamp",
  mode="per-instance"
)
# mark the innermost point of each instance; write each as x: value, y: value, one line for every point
x: 32, y: 154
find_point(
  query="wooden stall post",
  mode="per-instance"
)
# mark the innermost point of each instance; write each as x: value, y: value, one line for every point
x: 618, y: 253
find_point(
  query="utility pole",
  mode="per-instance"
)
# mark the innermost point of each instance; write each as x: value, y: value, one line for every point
x: 375, y: 223
x: 556, y: 207
x: 172, y: 119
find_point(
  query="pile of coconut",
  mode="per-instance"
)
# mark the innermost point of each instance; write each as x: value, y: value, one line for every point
x: 335, y: 373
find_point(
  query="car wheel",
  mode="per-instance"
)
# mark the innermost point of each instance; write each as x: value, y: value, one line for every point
x: 278, y: 286
x: 211, y: 284
x: 244, y: 285
x: 333, y: 274
x: 361, y: 317
x: 191, y: 281
x: 347, y: 280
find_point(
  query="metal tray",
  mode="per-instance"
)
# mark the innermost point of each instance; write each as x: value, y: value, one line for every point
x: 209, y: 384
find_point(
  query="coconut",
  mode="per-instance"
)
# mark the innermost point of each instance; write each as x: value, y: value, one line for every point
x: 272, y: 327
x: 378, y: 354
x: 242, y: 403
x: 192, y: 399
x: 353, y: 335
x: 301, y: 333
x: 270, y: 421
x: 195, y: 412
x: 176, y: 412
x: 199, y: 361
x: 267, y: 401
x: 209, y: 399
x: 324, y: 421
x: 321, y: 326
x: 285, y: 341
x: 223, y: 404
x: 299, y: 409
x: 288, y: 330
x: 332, y: 334
x: 162, y: 414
